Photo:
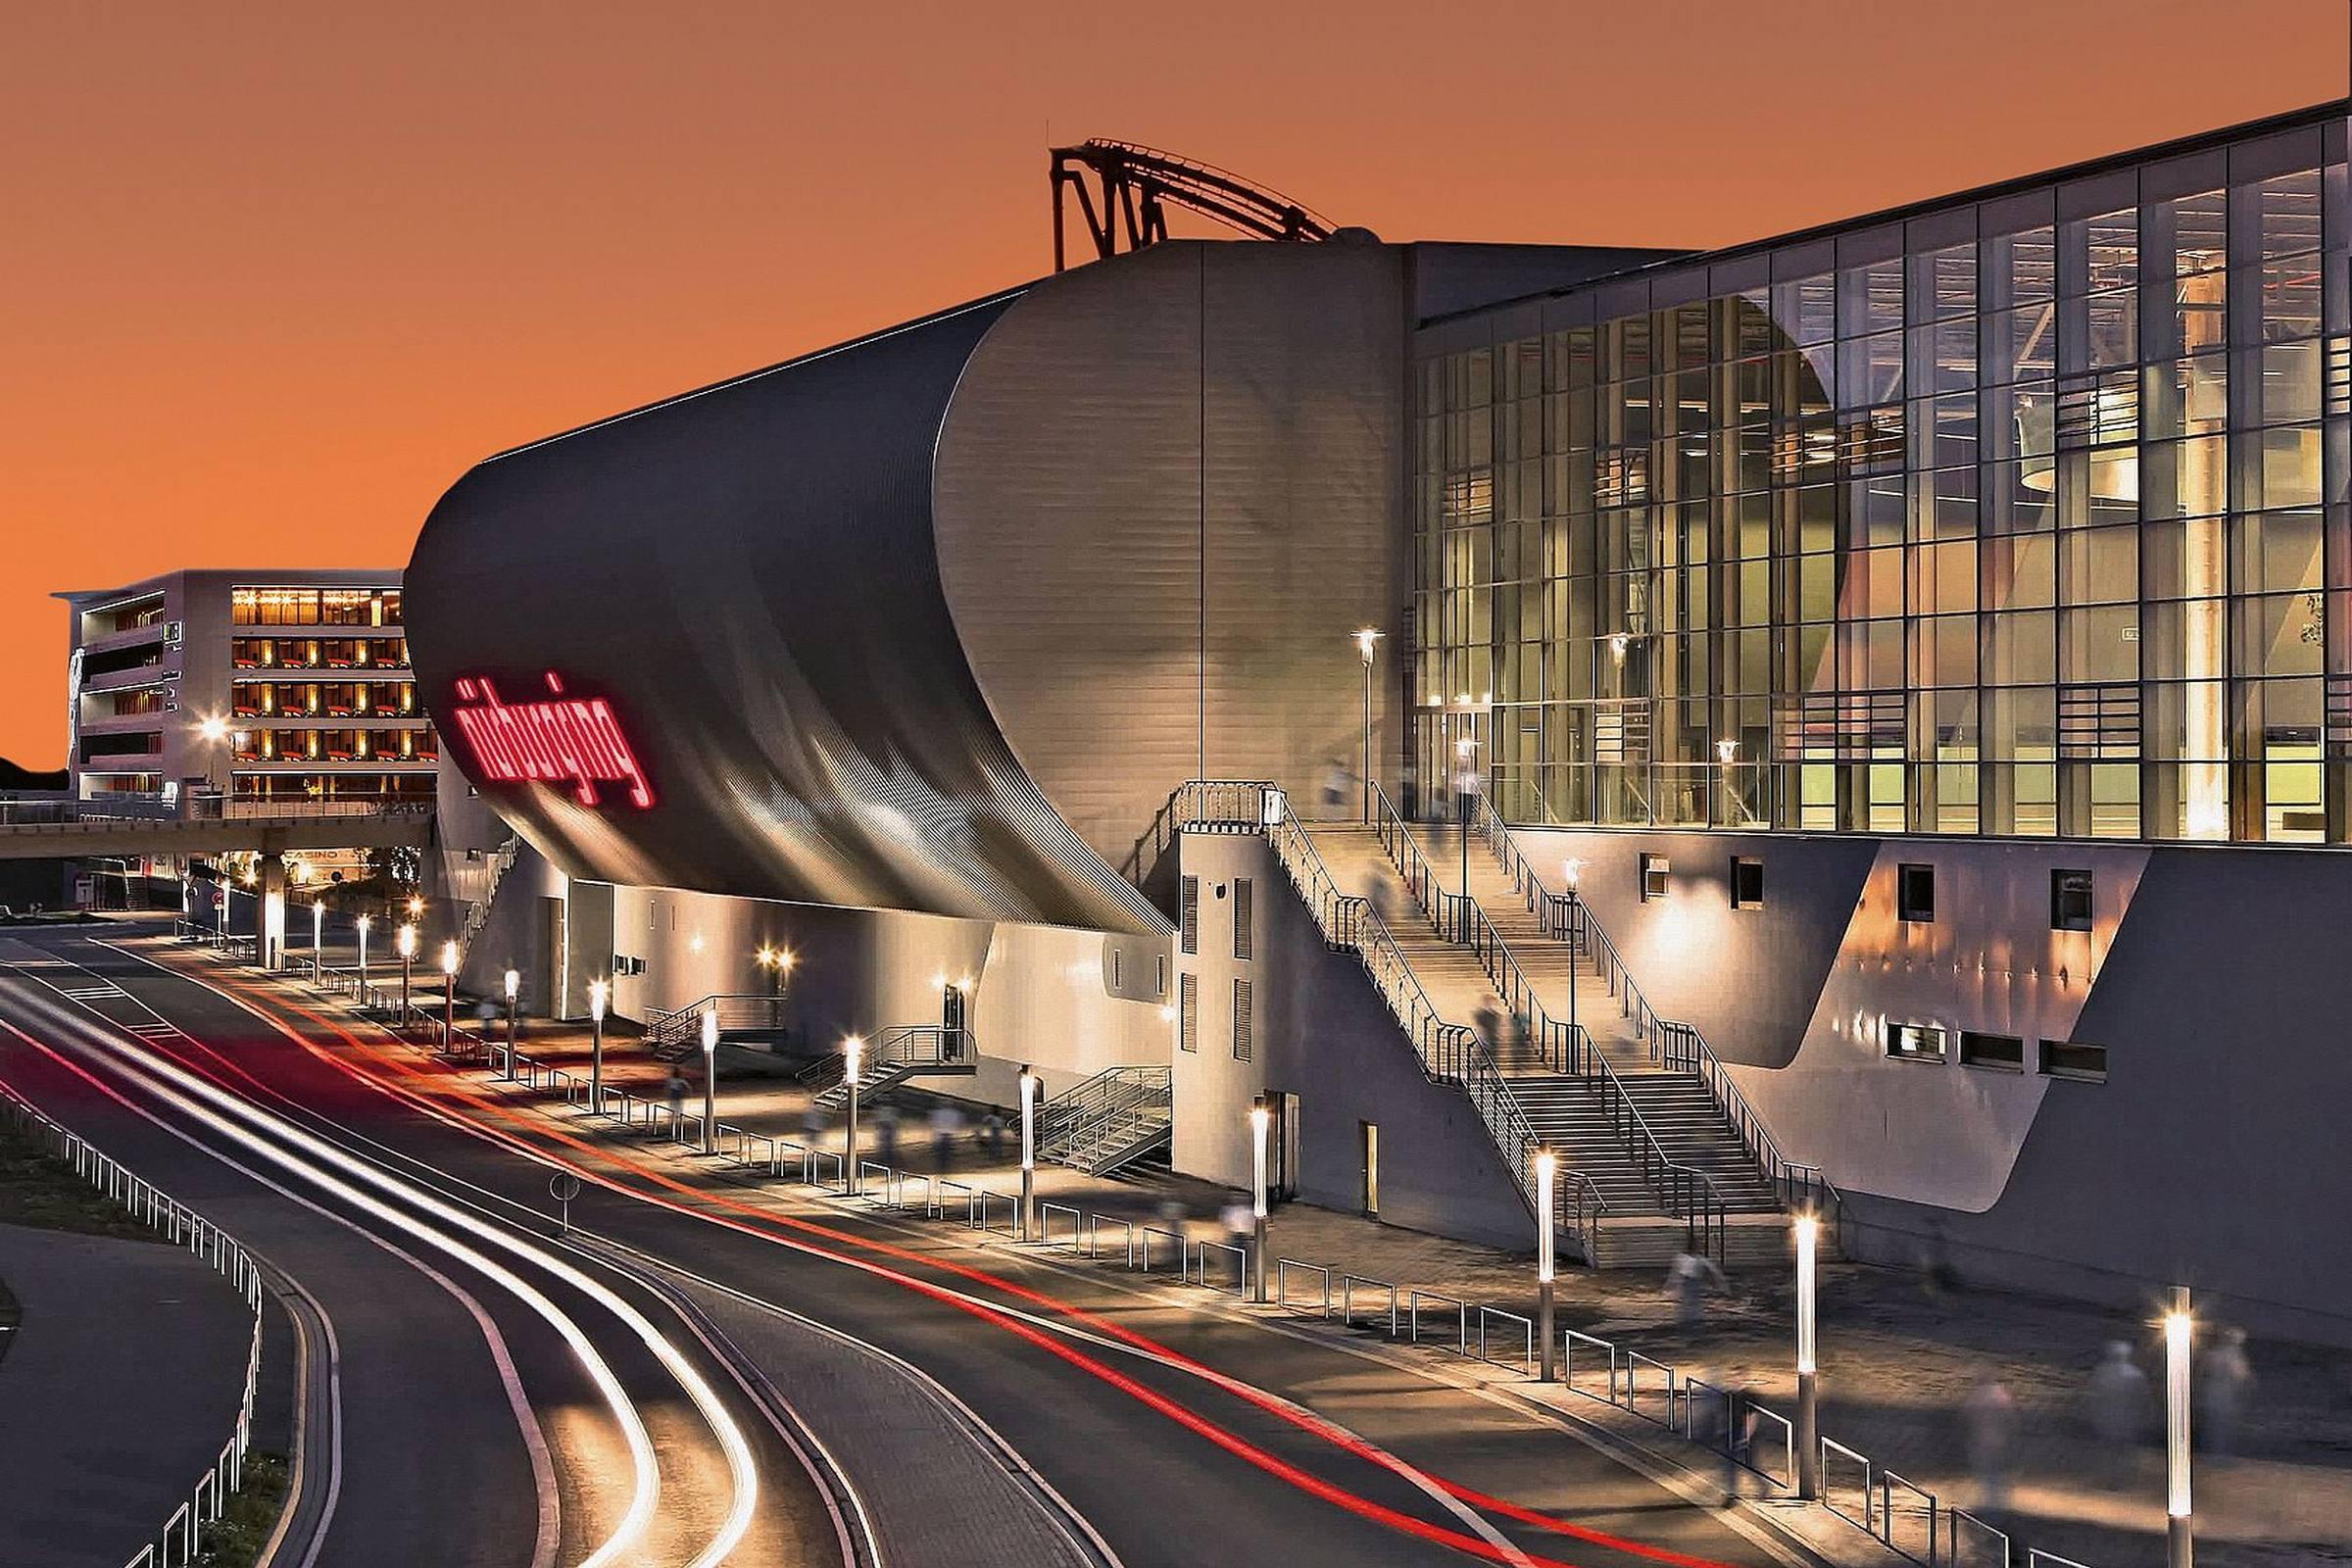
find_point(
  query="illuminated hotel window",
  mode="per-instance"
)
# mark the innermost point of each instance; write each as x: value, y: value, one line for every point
x: 1915, y: 1042
x: 1915, y: 892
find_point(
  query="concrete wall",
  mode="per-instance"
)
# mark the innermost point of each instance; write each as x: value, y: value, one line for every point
x: 1322, y: 1032
x: 2215, y: 977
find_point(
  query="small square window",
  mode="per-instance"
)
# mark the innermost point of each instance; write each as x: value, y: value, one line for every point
x: 1915, y: 892
x: 2067, y: 1059
x: 1747, y: 883
x: 1996, y: 1053
x: 1653, y: 877
x: 2070, y: 900
x: 1915, y: 1042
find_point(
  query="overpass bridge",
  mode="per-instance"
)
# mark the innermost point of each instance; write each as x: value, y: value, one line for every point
x: 51, y: 830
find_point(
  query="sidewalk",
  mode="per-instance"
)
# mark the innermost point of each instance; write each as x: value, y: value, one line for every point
x: 126, y: 1375
x: 1896, y: 1362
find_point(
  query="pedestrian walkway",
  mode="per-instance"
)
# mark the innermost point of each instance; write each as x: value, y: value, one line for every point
x: 127, y: 1367
x: 1899, y: 1360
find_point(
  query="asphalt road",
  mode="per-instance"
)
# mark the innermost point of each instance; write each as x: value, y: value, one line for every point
x: 978, y: 1412
x: 502, y: 1400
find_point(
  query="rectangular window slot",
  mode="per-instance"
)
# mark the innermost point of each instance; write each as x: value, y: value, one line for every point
x: 2067, y: 1059
x: 1915, y: 1042
x: 1188, y: 1010
x: 1747, y: 883
x: 1245, y: 938
x: 1995, y: 1052
x: 1915, y: 892
x: 1187, y: 919
x: 2070, y: 900
x: 1653, y: 877
x: 1242, y: 1045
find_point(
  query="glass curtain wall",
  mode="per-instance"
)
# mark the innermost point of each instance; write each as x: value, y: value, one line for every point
x: 2024, y: 516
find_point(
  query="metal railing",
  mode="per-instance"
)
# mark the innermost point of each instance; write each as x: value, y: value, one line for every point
x: 1673, y: 1045
x: 1688, y: 1194
x: 668, y: 1029
x: 477, y: 913
x: 182, y: 1537
x: 1100, y: 1117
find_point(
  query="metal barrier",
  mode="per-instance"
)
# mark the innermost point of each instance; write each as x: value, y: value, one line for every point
x: 971, y: 1209
x: 1461, y: 1318
x: 1575, y: 1337
x: 1830, y: 1482
x: 887, y: 1196
x: 1044, y: 1223
x: 982, y: 1198
x: 1487, y: 1314
x: 1977, y: 1546
x: 1907, y: 1518
x: 2038, y: 1558
x: 1240, y: 1264
x: 1347, y: 1284
x: 1633, y: 1363
x: 1149, y: 1231
x: 182, y: 1537
x: 1093, y: 1224
x: 1282, y: 1281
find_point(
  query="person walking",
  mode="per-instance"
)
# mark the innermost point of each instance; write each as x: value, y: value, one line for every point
x: 1989, y: 1422
x: 1487, y: 1022
x: 2118, y: 1399
x: 886, y: 1134
x: 946, y: 1122
x: 1380, y: 896
x: 673, y: 1088
x: 1687, y: 1280
x: 2224, y: 1386
x: 991, y: 1135
x: 1335, y: 779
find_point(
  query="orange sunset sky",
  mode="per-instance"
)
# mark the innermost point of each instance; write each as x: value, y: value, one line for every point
x: 277, y: 273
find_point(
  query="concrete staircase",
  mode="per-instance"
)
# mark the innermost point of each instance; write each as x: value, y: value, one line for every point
x: 1565, y: 992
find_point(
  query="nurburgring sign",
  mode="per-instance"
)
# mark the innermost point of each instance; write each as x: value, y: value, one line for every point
x: 565, y: 740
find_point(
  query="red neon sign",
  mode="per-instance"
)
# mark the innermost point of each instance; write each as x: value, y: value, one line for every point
x: 565, y: 740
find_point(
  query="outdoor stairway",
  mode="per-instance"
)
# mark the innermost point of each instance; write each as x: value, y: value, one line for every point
x: 743, y: 1019
x: 1109, y: 1121
x: 896, y: 1055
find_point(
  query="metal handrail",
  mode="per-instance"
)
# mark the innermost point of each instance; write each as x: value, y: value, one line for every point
x: 477, y: 915
x: 1672, y: 1044
x: 670, y: 1026
x: 1114, y: 1100
x: 1689, y: 1193
x: 1450, y: 1053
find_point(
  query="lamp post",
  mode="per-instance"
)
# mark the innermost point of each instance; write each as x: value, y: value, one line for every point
x: 1727, y: 752
x: 1571, y: 872
x: 1260, y: 1119
x: 405, y: 940
x: 318, y: 941
x: 2179, y: 1335
x: 1028, y: 1153
x: 514, y: 984
x: 364, y: 923
x: 1808, y: 1382
x: 449, y: 996
x: 853, y: 1053
x: 1465, y: 753
x: 1547, y: 1169
x: 595, y: 1048
x: 415, y: 908
x: 1365, y: 639
x: 710, y: 1079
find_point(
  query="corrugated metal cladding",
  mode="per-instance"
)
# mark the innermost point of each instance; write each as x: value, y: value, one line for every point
x: 746, y: 574
x: 1168, y: 488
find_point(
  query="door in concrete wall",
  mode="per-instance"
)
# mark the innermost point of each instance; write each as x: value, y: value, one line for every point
x: 1368, y: 1136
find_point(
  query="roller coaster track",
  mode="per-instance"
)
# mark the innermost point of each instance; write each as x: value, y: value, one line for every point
x: 1123, y: 190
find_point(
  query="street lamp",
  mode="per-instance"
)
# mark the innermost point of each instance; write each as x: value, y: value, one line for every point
x: 1260, y: 1119
x: 1571, y: 872
x: 2179, y: 1335
x: 1365, y: 640
x: 449, y: 996
x: 853, y: 1053
x: 364, y: 923
x: 595, y: 1048
x: 710, y: 1079
x: 1028, y: 1151
x: 1727, y: 753
x: 514, y: 984
x: 1808, y: 1382
x: 1548, y: 1166
x: 416, y: 906
x: 405, y: 940
x: 318, y: 941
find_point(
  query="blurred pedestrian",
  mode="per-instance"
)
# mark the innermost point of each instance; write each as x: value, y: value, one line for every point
x: 991, y: 1135
x: 1989, y: 1422
x: 1335, y: 779
x: 1241, y: 1219
x: 1409, y: 792
x: 946, y: 1122
x: 813, y: 1125
x: 673, y: 1088
x: 1936, y: 1278
x: 1380, y: 894
x: 1487, y: 1022
x: 1687, y: 1280
x: 886, y: 1134
x: 2225, y: 1384
x: 2118, y: 1401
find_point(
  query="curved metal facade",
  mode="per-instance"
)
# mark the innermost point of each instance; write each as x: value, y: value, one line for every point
x: 745, y: 578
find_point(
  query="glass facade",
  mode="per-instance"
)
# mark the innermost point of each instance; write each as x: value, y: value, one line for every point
x: 2018, y: 516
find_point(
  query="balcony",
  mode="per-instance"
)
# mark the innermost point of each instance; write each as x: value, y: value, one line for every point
x: 116, y: 680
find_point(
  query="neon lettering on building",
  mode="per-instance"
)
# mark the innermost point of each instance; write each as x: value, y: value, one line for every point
x: 563, y: 740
